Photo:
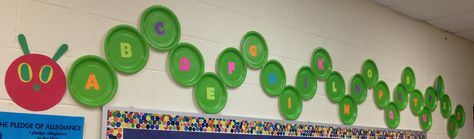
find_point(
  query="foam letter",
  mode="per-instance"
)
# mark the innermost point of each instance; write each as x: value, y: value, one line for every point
x: 369, y: 73
x: 159, y: 28
x: 230, y: 67
x: 380, y: 94
x: 210, y: 93
x: 390, y: 115
x: 272, y: 78
x: 408, y: 79
x: 289, y: 103
x: 92, y: 82
x: 347, y: 109
x: 305, y: 82
x: 415, y: 101
x: 185, y: 65
x: 125, y: 49
x: 253, y: 50
x: 320, y: 64
x: 334, y: 89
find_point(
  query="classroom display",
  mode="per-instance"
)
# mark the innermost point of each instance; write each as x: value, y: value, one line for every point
x: 92, y: 80
x: 129, y: 123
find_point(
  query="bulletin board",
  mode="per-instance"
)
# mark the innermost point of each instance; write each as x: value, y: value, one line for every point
x: 132, y: 123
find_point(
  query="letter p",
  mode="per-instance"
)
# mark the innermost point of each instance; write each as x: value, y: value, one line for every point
x: 230, y: 67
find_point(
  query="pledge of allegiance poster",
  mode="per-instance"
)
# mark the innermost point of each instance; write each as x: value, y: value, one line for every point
x: 36, y: 126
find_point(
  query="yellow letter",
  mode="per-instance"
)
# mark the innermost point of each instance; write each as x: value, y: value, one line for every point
x: 210, y: 93
x: 125, y: 50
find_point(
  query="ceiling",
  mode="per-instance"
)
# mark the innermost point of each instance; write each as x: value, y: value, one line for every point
x: 455, y: 16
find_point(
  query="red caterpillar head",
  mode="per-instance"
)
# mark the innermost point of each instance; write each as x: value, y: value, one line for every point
x: 35, y: 82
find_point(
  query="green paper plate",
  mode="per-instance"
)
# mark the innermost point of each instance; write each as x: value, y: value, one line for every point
x: 431, y: 99
x: 306, y: 83
x: 425, y: 120
x: 290, y: 103
x: 452, y: 127
x: 439, y: 86
x: 416, y: 102
x: 335, y: 87
x: 186, y: 64
x: 347, y: 110
x: 321, y: 63
x: 370, y: 73
x: 231, y: 67
x: 210, y: 93
x: 358, y: 89
x: 381, y: 95
x: 460, y: 115
x: 392, y: 115
x: 92, y: 81
x: 273, y: 78
x: 400, y: 97
x: 445, y: 106
x: 254, y: 49
x: 125, y: 49
x: 409, y: 79
x: 161, y: 28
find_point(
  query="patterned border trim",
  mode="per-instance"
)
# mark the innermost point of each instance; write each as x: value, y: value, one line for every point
x: 117, y: 120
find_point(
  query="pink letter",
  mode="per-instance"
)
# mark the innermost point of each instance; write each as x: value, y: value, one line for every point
x: 230, y: 67
x: 185, y: 65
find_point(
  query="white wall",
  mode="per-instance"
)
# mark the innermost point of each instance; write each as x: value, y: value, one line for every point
x: 351, y: 31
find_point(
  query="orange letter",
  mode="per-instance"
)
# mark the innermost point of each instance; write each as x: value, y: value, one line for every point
x: 380, y: 94
x: 347, y: 109
x: 415, y: 101
x: 253, y: 50
x: 289, y: 103
x: 92, y: 82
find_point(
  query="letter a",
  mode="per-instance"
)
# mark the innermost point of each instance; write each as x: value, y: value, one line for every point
x: 92, y: 82
x: 125, y: 50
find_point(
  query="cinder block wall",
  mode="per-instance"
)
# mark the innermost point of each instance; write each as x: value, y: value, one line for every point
x: 351, y: 31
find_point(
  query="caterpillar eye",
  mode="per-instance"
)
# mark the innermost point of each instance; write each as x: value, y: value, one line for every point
x: 46, y: 73
x: 24, y: 72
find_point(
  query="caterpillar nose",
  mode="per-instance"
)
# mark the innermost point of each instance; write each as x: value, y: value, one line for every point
x: 36, y: 87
